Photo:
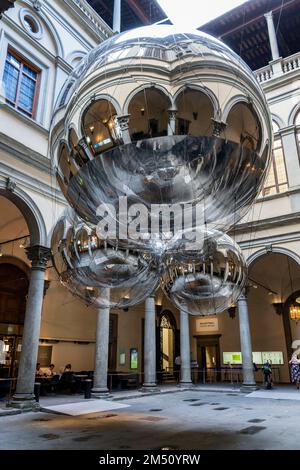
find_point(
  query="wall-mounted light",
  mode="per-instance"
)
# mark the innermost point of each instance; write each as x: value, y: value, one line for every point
x: 142, y: 111
x: 195, y: 116
x: 295, y: 312
x: 1, y: 254
x: 92, y: 128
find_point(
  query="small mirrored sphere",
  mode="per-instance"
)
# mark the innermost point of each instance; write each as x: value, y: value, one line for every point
x: 86, y: 266
x: 205, y: 274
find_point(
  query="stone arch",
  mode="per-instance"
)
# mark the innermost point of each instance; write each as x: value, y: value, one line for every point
x: 167, y: 341
x: 89, y: 101
x: 280, y: 123
x: 29, y: 209
x: 206, y: 91
x: 195, y: 111
x: 293, y: 114
x: 167, y: 313
x: 75, y: 56
x: 98, y: 124
x: 272, y: 313
x: 148, y: 111
x: 275, y: 249
x: 53, y: 32
x: 255, y: 114
x: 50, y: 26
x: 19, y: 263
x: 147, y: 86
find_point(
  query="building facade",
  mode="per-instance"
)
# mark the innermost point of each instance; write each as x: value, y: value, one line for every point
x: 41, y: 43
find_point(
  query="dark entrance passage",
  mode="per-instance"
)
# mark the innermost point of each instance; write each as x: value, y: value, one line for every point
x: 13, y: 292
x: 208, y: 357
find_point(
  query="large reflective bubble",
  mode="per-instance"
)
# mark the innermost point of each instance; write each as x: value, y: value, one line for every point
x: 86, y: 266
x: 205, y: 274
x: 163, y: 138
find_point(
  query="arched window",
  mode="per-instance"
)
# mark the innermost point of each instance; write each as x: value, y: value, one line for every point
x: 276, y: 181
x: 99, y: 126
x: 148, y: 111
x: 194, y: 113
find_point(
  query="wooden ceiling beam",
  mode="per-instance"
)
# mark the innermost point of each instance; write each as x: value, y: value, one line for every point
x: 250, y: 22
x: 135, y: 7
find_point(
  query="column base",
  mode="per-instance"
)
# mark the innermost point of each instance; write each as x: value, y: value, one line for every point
x: 149, y: 388
x: 186, y: 385
x: 248, y: 388
x: 100, y: 393
x: 25, y: 402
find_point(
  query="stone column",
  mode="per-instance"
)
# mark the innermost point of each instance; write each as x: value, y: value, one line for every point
x: 117, y: 16
x: 24, y: 395
x: 272, y: 36
x: 150, y: 346
x: 101, y: 351
x: 123, y: 123
x: 185, y: 353
x: 172, y: 121
x: 246, y: 346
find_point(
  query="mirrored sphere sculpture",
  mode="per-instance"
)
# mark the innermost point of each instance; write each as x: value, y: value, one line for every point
x: 205, y: 274
x: 147, y: 115
x: 86, y: 266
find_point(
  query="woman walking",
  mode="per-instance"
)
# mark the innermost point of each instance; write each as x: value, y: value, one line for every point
x: 295, y: 370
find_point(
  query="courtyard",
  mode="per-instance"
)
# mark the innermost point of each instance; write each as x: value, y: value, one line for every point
x: 194, y: 419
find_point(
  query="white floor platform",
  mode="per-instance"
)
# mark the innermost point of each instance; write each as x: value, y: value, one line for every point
x: 85, y: 407
x: 276, y: 394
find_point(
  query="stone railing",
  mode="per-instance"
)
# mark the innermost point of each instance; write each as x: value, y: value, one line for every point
x: 278, y: 67
x: 264, y: 74
x: 91, y: 14
x: 291, y: 63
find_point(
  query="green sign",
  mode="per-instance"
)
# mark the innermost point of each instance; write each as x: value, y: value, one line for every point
x: 133, y: 358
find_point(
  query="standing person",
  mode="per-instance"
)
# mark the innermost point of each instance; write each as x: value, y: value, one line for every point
x: 295, y: 369
x: 267, y: 371
x: 177, y: 365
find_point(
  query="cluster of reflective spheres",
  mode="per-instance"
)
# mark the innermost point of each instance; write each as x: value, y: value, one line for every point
x: 201, y: 272
x: 200, y: 269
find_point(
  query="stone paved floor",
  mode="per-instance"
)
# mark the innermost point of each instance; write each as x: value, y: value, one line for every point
x: 185, y: 420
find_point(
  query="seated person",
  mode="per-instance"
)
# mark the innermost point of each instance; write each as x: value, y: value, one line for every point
x: 50, y: 371
x: 38, y: 370
x: 68, y: 368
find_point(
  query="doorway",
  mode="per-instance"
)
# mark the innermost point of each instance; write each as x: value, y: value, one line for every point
x: 208, y: 357
x: 167, y: 341
x: 13, y: 292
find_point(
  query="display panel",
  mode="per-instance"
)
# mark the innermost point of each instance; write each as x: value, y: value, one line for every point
x: 133, y: 358
x: 259, y: 357
x: 122, y: 358
x: 274, y: 357
x: 232, y: 358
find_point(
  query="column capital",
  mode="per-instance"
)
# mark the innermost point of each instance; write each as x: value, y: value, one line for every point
x: 219, y: 127
x: 243, y: 295
x: 269, y: 14
x: 123, y: 121
x: 39, y: 256
x: 172, y: 113
x: 151, y: 296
